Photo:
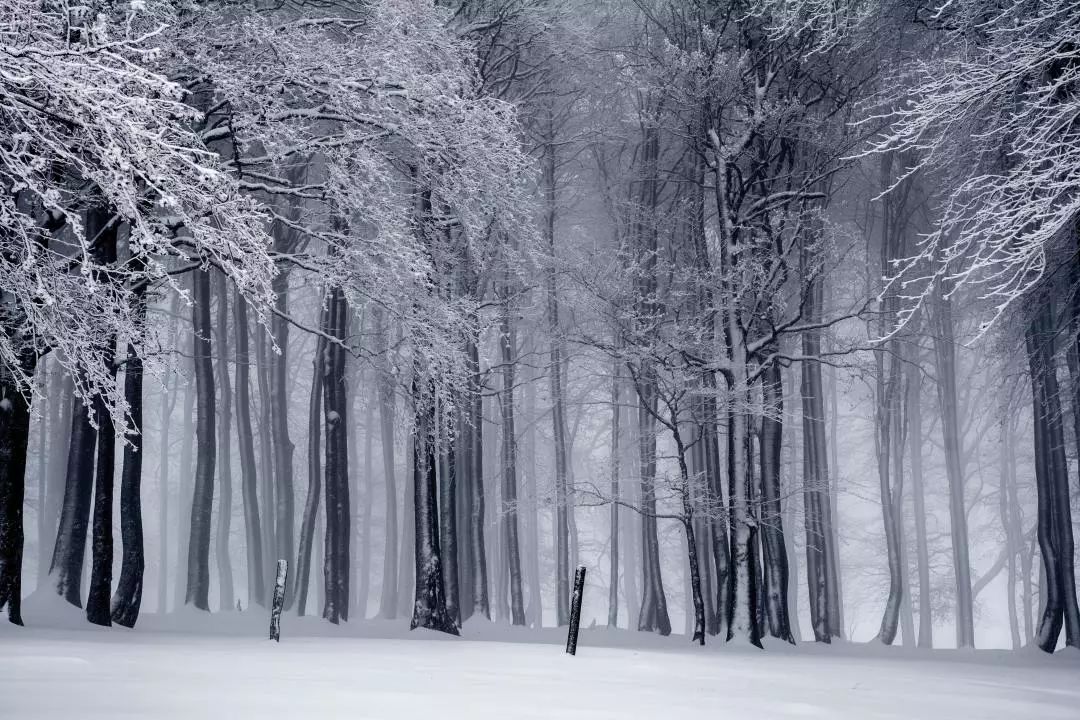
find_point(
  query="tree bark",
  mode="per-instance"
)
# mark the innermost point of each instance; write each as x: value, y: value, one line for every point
x: 311, y: 504
x: 654, y: 615
x: 127, y: 600
x: 509, y: 518
x: 198, y: 565
x: 268, y: 512
x: 388, y: 600
x: 429, y: 607
x: 168, y: 402
x: 922, y: 547
x: 279, y: 426
x: 336, y: 563
x: 14, y: 441
x: 246, y: 444
x: 226, y: 592
x: 945, y: 356
x: 558, y: 410
x: 478, y: 557
x: 613, y: 568
x: 774, y: 550
x: 1054, y: 526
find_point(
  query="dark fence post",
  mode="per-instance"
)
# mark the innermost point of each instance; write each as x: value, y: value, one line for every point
x: 575, y: 610
x: 279, y: 600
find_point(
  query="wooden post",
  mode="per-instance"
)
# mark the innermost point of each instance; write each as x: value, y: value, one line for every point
x: 279, y: 600
x: 575, y: 610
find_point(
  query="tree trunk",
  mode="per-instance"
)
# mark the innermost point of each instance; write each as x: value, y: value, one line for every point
x: 168, y: 402
x: 1052, y: 485
x: 226, y: 593
x: 14, y: 441
x: 613, y: 568
x: 128, y: 597
x: 388, y: 600
x: 945, y: 356
x: 98, y: 599
x: 654, y: 614
x: 41, y: 380
x: 508, y: 346
x: 311, y: 504
x: 407, y: 556
x: 268, y: 512
x: 558, y: 411
x: 478, y: 558
x: 279, y: 426
x: 822, y: 571
x: 202, y: 501
x: 429, y: 607
x: 336, y: 563
x: 246, y: 443
x: 184, y: 495
x: 1007, y: 470
x: 70, y: 549
x: 772, y: 522
x: 364, y: 502
x: 61, y: 390
x: 922, y: 547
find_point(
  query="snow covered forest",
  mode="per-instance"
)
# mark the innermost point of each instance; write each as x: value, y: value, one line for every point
x: 766, y: 312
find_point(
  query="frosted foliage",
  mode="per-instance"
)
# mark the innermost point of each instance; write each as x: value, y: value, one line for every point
x: 1000, y: 112
x: 383, y: 111
x: 87, y: 123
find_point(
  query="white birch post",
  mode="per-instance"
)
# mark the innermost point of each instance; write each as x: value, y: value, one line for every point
x: 575, y: 610
x: 279, y: 600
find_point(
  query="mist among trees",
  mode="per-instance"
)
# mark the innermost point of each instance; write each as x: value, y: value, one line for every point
x: 766, y: 311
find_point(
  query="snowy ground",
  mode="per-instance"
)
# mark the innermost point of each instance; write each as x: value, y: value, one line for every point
x: 221, y: 667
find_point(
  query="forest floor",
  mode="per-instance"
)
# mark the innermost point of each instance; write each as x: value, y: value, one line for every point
x: 222, y: 666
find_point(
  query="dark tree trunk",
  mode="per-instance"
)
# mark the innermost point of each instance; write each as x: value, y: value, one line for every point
x: 226, y: 592
x: 508, y: 346
x: 429, y: 606
x: 268, y: 511
x: 202, y: 501
x: 693, y: 562
x: 14, y: 441
x: 246, y: 444
x: 721, y: 517
x: 448, y: 472
x: 70, y: 549
x: 821, y: 568
x: 279, y: 427
x: 335, y: 391
x: 1054, y: 526
x: 654, y: 614
x: 98, y: 598
x: 99, y: 224
x: 128, y: 597
x: 772, y: 528
x: 311, y: 504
